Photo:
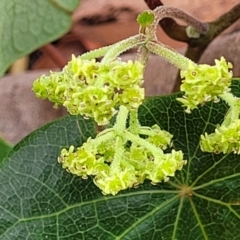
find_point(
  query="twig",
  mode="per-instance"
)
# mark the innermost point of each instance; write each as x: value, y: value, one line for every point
x: 171, y: 12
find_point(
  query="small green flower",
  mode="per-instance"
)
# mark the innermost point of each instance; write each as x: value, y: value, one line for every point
x: 113, y: 182
x: 52, y: 87
x: 107, y: 150
x: 132, y: 98
x: 92, y: 102
x: 161, y: 168
x: 80, y: 162
x: 204, y: 83
x: 159, y: 138
x: 83, y: 70
x: 126, y: 75
x: 226, y: 139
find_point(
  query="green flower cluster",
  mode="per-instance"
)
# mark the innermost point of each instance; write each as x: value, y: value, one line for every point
x: 204, y: 83
x: 121, y: 161
x: 94, y: 89
x: 226, y: 139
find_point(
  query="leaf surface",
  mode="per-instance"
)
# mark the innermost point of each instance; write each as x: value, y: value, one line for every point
x: 39, y: 200
x: 25, y: 25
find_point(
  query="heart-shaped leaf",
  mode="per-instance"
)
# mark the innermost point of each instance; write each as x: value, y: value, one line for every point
x: 39, y: 200
x: 26, y: 25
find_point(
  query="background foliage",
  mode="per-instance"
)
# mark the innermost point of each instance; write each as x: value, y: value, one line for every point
x: 25, y: 25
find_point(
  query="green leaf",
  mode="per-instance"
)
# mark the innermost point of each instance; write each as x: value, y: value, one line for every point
x: 25, y: 25
x: 4, y: 149
x: 39, y: 200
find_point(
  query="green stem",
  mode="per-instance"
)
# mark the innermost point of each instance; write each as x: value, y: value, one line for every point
x: 133, y: 123
x: 234, y: 110
x: 104, y: 136
x: 230, y: 99
x: 232, y: 114
x: 121, y: 120
x: 119, y: 128
x: 146, y: 131
x: 157, y: 152
x: 96, y: 53
x: 142, y: 55
x: 169, y: 54
x: 119, y: 150
x: 123, y: 46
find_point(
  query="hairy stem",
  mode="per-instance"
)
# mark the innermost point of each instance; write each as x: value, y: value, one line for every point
x: 170, y: 55
x: 121, y: 120
x: 157, y: 152
x: 123, y: 46
x: 96, y: 53
x: 164, y: 11
x: 133, y: 123
x: 119, y: 127
x: 234, y: 110
x: 169, y: 25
